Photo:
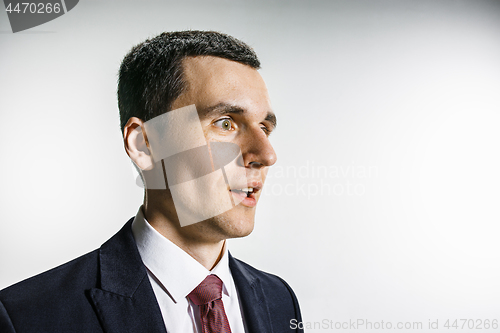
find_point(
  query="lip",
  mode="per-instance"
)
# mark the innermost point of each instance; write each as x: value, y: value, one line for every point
x: 256, y: 184
x: 243, y: 199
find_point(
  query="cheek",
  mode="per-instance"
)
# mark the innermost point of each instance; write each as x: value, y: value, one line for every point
x: 264, y: 172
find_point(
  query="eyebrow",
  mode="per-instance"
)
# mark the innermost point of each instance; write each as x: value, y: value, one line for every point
x: 222, y: 109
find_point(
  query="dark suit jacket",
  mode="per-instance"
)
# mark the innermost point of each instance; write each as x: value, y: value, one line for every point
x: 108, y: 290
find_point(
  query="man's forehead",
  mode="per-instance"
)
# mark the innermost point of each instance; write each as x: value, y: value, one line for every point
x: 202, y: 70
x: 213, y: 81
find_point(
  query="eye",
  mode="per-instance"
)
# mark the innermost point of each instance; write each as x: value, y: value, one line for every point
x: 266, y: 130
x: 226, y: 124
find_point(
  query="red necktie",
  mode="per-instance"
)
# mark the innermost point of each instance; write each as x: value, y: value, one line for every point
x: 208, y: 296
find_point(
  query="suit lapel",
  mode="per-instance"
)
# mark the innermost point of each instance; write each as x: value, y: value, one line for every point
x: 125, y: 301
x: 252, y: 298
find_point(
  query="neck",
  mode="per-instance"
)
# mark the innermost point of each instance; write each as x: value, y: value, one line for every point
x: 196, y: 240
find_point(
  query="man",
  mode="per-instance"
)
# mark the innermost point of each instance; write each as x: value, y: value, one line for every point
x: 186, y: 100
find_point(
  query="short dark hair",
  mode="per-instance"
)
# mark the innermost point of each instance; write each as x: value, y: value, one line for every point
x: 151, y: 74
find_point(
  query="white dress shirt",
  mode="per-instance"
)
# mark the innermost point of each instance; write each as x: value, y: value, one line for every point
x: 174, y: 274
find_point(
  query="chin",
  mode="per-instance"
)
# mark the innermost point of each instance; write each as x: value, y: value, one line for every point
x: 232, y: 224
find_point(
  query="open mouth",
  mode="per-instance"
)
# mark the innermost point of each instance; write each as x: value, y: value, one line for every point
x: 247, y: 191
x: 245, y: 196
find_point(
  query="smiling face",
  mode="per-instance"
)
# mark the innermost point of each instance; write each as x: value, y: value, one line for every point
x: 233, y: 106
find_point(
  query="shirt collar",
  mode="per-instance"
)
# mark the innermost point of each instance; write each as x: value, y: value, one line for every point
x: 176, y: 271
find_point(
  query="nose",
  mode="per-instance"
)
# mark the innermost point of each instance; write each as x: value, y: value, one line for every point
x: 257, y: 150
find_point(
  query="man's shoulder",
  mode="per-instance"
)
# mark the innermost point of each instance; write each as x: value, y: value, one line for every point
x: 274, y: 287
x: 53, y: 301
x: 74, y: 276
x: 61, y: 299
x: 268, y: 280
x: 258, y: 287
x: 57, y: 281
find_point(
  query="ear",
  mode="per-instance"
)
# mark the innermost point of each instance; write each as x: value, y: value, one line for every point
x: 136, y: 144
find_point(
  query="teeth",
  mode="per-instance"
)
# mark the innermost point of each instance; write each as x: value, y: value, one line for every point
x: 247, y: 189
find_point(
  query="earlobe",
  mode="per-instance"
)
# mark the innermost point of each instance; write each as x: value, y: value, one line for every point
x: 136, y: 144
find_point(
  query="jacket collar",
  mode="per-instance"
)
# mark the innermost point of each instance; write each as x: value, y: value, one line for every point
x: 125, y: 301
x: 252, y: 297
x: 121, y: 266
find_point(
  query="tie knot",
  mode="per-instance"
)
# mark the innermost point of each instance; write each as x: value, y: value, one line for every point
x: 207, y: 291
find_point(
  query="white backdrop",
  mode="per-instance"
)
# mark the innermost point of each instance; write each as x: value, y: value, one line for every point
x: 384, y: 202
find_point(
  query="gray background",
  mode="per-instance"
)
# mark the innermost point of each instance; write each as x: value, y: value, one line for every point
x: 397, y: 100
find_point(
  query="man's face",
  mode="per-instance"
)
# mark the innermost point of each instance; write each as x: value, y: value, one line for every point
x: 233, y: 106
